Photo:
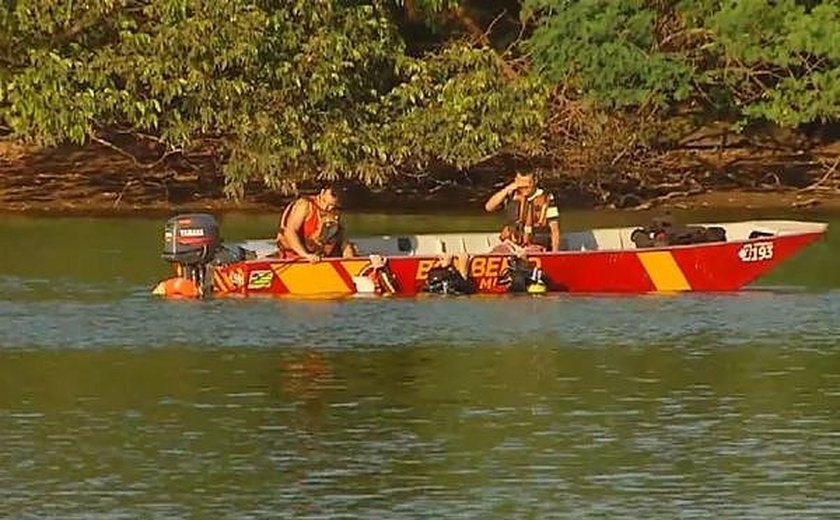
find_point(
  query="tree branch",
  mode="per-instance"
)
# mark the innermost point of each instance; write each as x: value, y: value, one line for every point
x: 125, y: 153
x: 829, y: 174
x: 460, y: 14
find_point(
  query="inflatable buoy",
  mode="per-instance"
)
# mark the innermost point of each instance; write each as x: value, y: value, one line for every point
x: 177, y: 286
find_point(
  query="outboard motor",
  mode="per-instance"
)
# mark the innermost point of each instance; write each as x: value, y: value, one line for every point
x: 190, y: 241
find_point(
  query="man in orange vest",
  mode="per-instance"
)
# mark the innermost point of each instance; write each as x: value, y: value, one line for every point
x: 532, y: 214
x: 311, y: 228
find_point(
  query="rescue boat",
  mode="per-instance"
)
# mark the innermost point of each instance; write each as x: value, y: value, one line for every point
x: 593, y: 261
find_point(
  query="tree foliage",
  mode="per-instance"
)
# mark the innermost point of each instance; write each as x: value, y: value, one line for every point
x: 780, y: 60
x: 284, y: 90
x: 607, y: 49
x: 757, y: 60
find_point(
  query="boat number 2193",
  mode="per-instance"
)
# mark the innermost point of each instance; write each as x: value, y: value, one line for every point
x: 756, y: 252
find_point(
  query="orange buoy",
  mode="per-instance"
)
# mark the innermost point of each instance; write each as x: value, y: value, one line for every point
x: 177, y: 286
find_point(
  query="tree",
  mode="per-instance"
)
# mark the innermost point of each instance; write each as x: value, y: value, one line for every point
x: 281, y: 90
x: 607, y: 50
x: 747, y: 59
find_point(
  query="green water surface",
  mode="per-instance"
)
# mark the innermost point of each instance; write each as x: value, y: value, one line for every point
x: 115, y: 404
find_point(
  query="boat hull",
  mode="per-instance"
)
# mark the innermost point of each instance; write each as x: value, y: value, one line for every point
x: 708, y: 267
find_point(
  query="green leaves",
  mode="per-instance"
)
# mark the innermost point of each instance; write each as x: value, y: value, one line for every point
x: 465, y: 108
x: 606, y: 49
x: 283, y: 89
x: 753, y: 59
x: 780, y: 61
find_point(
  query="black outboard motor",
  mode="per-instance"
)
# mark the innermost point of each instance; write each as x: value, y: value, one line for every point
x: 191, y: 241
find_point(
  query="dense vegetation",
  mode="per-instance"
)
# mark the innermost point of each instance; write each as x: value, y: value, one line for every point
x: 381, y: 90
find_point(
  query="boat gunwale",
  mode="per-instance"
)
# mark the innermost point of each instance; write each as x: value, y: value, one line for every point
x: 542, y: 254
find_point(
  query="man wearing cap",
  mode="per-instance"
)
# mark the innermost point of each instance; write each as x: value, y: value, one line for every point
x: 532, y: 214
x: 310, y: 228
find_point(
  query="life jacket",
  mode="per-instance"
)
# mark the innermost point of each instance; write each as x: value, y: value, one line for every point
x: 320, y: 232
x: 529, y: 216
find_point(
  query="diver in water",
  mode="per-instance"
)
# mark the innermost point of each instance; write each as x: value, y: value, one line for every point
x: 451, y: 276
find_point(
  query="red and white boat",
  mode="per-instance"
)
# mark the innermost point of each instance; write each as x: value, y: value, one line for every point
x: 594, y: 261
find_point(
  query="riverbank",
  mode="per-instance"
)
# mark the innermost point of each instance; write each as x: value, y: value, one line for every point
x: 93, y: 180
x: 107, y: 204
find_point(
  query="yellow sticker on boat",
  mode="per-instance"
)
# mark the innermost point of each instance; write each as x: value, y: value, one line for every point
x: 260, y: 279
x: 304, y: 278
x: 663, y: 271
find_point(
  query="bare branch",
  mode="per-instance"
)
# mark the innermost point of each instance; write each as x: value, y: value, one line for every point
x: 125, y: 153
x: 460, y: 14
x: 828, y: 174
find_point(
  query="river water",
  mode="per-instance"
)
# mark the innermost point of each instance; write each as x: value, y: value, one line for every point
x: 115, y: 404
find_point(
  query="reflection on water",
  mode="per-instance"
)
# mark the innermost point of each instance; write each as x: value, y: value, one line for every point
x: 114, y: 404
x: 660, y: 431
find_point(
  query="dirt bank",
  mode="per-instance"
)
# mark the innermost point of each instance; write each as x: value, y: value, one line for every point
x: 97, y: 180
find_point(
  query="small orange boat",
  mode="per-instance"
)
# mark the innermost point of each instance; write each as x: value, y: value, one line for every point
x: 594, y: 261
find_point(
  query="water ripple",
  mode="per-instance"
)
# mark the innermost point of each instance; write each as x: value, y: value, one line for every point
x: 139, y: 320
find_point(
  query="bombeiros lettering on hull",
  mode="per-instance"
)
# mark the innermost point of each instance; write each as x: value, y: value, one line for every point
x: 756, y: 252
x: 480, y: 267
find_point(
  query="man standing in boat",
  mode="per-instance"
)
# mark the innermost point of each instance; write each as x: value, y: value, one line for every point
x: 310, y: 228
x: 533, y: 218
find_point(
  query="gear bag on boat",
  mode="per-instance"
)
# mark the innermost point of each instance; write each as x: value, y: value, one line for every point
x: 663, y: 232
